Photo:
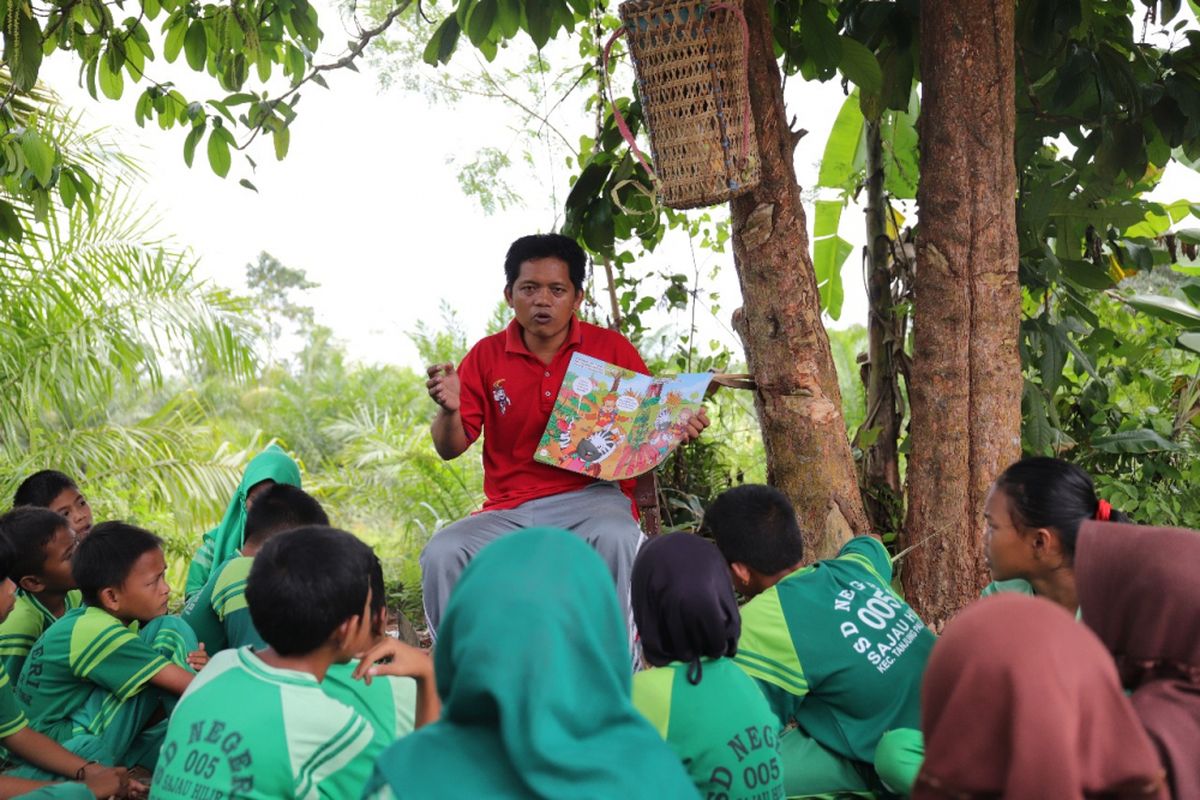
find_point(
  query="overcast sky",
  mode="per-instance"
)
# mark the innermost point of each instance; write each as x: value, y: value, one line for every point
x: 367, y: 203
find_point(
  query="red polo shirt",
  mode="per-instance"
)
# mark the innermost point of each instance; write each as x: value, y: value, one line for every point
x: 509, y: 393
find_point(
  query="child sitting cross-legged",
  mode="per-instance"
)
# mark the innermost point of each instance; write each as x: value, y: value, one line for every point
x: 43, y: 545
x: 256, y: 724
x: 44, y: 762
x: 218, y: 612
x: 90, y: 672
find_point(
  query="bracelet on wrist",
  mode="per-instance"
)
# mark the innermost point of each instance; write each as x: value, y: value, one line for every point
x: 80, y: 772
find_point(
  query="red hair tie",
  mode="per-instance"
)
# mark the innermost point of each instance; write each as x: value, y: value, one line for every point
x: 1103, y: 511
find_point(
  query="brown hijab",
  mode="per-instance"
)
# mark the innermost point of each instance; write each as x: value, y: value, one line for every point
x: 1021, y: 701
x: 1138, y: 591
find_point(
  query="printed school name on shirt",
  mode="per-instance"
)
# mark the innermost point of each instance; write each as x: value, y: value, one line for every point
x: 880, y: 632
x: 208, y: 745
x: 762, y: 772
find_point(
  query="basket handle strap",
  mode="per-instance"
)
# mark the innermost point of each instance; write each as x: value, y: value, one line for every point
x: 622, y: 126
x: 737, y: 12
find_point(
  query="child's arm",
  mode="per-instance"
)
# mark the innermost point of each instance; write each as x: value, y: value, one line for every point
x: 172, y: 679
x: 45, y: 753
x: 404, y: 661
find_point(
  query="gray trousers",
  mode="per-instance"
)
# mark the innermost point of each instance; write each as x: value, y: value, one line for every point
x: 599, y: 514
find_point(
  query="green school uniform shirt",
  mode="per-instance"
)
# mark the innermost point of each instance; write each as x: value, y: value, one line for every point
x: 24, y: 625
x: 249, y: 730
x: 1016, y: 586
x: 722, y: 729
x: 389, y: 703
x: 219, y: 614
x: 86, y: 649
x: 12, y: 716
x: 834, y: 648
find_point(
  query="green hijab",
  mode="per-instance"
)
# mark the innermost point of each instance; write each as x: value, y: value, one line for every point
x: 532, y: 664
x: 223, y: 541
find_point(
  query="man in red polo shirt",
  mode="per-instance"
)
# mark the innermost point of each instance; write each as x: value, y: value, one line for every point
x: 506, y: 386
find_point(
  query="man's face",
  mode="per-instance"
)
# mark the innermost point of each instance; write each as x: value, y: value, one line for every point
x: 543, y: 297
x: 74, y: 506
x: 143, y: 596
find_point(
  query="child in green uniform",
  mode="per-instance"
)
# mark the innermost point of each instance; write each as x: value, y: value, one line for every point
x: 1033, y: 513
x: 46, y: 762
x: 256, y: 725
x: 43, y: 545
x: 90, y: 672
x: 269, y: 467
x: 54, y: 490
x: 389, y: 703
x: 218, y: 612
x: 833, y: 647
x: 707, y: 709
x: 533, y: 666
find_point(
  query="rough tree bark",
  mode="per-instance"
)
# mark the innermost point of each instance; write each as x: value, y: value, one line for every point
x: 787, y: 350
x: 966, y: 372
x: 880, y: 467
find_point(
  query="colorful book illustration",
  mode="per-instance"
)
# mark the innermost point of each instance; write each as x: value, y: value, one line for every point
x: 614, y: 423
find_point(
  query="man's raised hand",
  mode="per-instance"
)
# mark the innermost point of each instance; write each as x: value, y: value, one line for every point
x: 443, y: 386
x: 696, y: 425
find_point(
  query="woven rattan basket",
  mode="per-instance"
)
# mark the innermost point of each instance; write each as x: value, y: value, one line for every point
x: 690, y: 59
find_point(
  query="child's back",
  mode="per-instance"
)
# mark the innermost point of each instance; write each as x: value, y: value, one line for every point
x: 25, y: 625
x: 722, y: 728
x: 262, y: 732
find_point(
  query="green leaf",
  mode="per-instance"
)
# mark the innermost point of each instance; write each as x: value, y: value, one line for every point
x: 189, y: 144
x: 829, y: 254
x: 442, y: 43
x: 176, y: 33
x: 1142, y: 440
x: 23, y: 53
x: 38, y: 156
x: 508, y: 14
x: 841, y: 148
x: 218, y: 153
x: 11, y: 228
x: 1170, y: 309
x: 195, y: 45
x: 598, y: 228
x: 479, y: 23
x: 539, y: 20
x: 112, y: 81
x: 283, y: 139
x: 1086, y: 274
x: 859, y: 64
x: 1191, y: 341
x: 826, y: 217
x: 819, y: 37
x: 247, y: 184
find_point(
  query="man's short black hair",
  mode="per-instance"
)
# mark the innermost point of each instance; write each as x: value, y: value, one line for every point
x: 28, y: 531
x: 105, y: 558
x: 281, y: 507
x: 40, y: 488
x: 756, y: 525
x: 546, y: 245
x: 304, y: 584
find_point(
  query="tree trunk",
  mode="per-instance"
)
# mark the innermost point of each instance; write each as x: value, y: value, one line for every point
x: 880, y: 468
x: 798, y: 401
x: 966, y: 373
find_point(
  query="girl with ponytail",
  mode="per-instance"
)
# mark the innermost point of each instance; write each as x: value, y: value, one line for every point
x: 1033, y: 513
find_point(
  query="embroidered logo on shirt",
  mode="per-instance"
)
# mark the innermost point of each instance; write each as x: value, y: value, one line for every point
x: 500, y: 396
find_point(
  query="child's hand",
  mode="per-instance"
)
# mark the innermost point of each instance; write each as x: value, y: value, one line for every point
x: 105, y: 782
x: 197, y: 659
x: 404, y: 660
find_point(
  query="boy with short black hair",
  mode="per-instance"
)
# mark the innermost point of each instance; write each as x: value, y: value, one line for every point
x: 218, y: 612
x: 831, y: 645
x: 257, y: 725
x: 393, y: 705
x: 56, y: 491
x: 90, y: 672
x: 45, y: 762
x: 43, y: 545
